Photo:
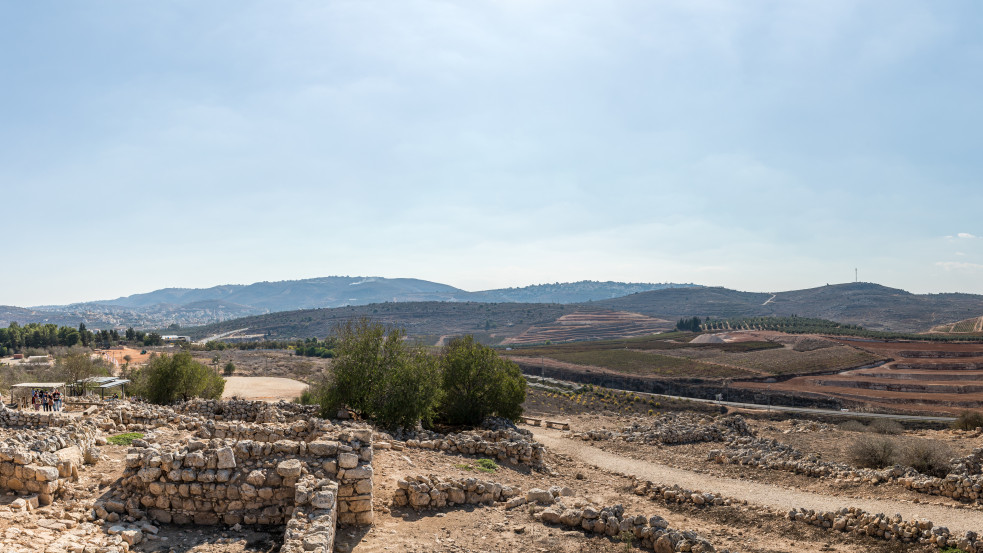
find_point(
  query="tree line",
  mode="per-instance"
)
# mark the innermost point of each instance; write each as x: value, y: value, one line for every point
x: 16, y: 338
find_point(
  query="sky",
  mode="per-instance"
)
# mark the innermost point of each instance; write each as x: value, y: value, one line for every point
x: 756, y: 145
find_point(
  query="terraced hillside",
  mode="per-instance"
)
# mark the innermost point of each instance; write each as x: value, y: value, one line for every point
x: 599, y: 324
x: 921, y: 377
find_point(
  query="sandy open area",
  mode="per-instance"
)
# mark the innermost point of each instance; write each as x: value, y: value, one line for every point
x: 262, y: 387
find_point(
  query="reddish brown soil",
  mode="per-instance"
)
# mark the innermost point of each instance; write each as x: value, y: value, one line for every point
x: 910, y: 382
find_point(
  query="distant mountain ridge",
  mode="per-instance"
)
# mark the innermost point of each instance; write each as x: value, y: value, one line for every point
x: 199, y: 306
x: 872, y: 306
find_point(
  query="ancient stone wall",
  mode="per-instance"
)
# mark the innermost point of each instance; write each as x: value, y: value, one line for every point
x: 245, y: 481
x: 432, y: 492
x: 892, y: 528
x: 505, y: 445
x: 248, y: 410
x: 40, y: 460
x: 311, y: 528
x: 774, y: 455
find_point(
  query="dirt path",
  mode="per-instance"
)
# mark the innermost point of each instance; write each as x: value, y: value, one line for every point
x: 957, y: 520
x: 263, y: 388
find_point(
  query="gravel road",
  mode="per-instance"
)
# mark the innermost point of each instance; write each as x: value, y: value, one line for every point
x: 957, y: 520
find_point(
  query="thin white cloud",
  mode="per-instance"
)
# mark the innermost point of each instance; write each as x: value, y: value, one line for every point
x: 966, y: 235
x: 959, y: 266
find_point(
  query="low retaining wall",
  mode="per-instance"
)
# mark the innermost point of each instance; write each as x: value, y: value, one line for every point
x: 651, y: 532
x: 858, y: 521
x: 505, y: 445
x: 248, y: 410
x: 432, y: 492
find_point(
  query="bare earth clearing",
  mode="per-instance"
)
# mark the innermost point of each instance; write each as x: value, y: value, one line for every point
x: 263, y: 388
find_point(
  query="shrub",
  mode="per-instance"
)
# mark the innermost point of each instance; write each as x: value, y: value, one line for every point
x: 886, y: 426
x: 853, y: 426
x: 377, y: 377
x: 229, y: 368
x: 478, y: 383
x: 169, y: 378
x: 927, y: 457
x: 968, y: 420
x: 872, y: 452
x: 124, y: 439
x: 486, y: 465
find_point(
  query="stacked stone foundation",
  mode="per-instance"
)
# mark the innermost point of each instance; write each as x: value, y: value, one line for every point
x: 222, y: 481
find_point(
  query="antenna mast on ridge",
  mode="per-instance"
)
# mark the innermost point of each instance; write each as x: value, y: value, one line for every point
x: 856, y: 275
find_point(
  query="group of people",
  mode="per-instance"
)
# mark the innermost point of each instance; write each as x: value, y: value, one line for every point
x: 45, y: 400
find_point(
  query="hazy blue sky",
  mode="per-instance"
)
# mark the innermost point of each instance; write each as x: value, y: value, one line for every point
x: 755, y: 145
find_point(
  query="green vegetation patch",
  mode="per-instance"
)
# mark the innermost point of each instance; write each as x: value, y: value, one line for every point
x: 124, y: 439
x: 482, y: 465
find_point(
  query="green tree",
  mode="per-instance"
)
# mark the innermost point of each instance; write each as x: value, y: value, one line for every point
x: 229, y: 368
x: 177, y: 377
x: 77, y: 366
x: 153, y: 339
x: 478, y: 383
x: 377, y: 377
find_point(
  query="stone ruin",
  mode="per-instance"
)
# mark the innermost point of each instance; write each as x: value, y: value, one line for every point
x: 248, y: 462
x: 41, y: 452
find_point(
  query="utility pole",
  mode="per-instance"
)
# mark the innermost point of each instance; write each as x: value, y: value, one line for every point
x: 856, y: 275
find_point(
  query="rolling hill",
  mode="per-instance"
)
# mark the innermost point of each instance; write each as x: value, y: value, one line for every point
x: 199, y: 306
x: 872, y: 306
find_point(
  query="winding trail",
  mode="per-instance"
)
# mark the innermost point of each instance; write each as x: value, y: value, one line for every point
x: 957, y: 520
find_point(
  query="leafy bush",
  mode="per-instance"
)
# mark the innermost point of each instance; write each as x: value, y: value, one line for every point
x: 927, y: 457
x: 169, y: 378
x: 307, y: 397
x: 377, y: 377
x: 872, y: 452
x: 478, y: 383
x: 124, y: 439
x: 968, y: 420
x: 229, y: 368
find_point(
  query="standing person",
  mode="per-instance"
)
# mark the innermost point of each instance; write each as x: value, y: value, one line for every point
x: 56, y: 396
x: 35, y: 401
x: 46, y: 401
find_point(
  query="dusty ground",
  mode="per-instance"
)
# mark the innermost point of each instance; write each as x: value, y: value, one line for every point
x: 262, y: 388
x: 599, y: 472
x: 280, y: 363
